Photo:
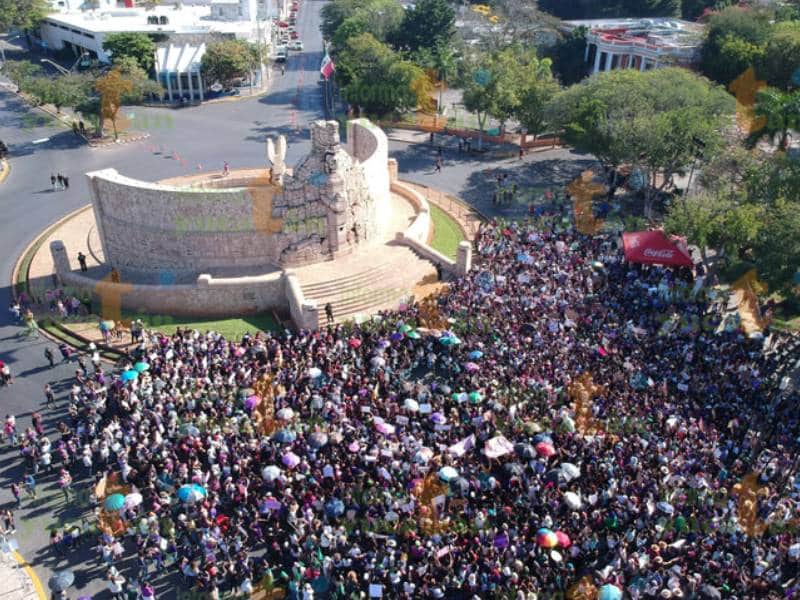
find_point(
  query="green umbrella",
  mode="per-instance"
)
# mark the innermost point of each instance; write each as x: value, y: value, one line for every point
x: 475, y: 397
x: 141, y: 366
x: 413, y: 335
x: 405, y: 328
x: 114, y: 502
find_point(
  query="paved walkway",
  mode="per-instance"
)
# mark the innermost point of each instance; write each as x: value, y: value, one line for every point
x: 17, y: 579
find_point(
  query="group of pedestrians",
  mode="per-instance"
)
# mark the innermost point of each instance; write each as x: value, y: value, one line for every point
x: 59, y: 182
x: 391, y: 459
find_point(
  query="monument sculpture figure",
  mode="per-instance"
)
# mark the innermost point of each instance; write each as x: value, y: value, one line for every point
x: 276, y: 153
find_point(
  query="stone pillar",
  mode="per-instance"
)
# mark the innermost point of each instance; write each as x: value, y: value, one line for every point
x: 191, y: 88
x: 200, y: 84
x: 180, y: 85
x: 586, y: 54
x: 464, y: 258
x: 597, y: 54
x: 606, y: 64
x: 169, y: 85
x: 60, y: 259
x: 392, y: 169
x: 642, y: 63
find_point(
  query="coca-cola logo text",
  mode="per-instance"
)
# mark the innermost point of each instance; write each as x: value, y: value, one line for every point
x: 650, y: 253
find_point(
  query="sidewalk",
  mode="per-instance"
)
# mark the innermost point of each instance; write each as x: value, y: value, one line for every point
x: 17, y: 579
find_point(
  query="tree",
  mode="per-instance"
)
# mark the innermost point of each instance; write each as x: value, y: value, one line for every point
x: 537, y: 88
x: 228, y: 60
x: 780, y: 114
x: 441, y: 64
x: 333, y: 14
x: 138, y: 46
x: 567, y: 55
x: 592, y: 9
x: 493, y: 88
x: 377, y: 80
x: 112, y: 87
x: 776, y: 253
x: 22, y: 14
x: 780, y: 61
x: 694, y: 9
x: 656, y: 120
x: 142, y: 85
x: 19, y: 71
x: 430, y: 23
x: 735, y: 41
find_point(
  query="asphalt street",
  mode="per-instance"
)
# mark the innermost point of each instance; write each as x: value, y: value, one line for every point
x: 181, y: 141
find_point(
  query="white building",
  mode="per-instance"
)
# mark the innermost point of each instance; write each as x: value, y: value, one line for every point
x: 178, y: 70
x: 639, y: 43
x: 85, y: 31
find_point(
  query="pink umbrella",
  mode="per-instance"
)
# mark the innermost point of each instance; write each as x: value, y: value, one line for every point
x: 291, y: 460
x: 252, y: 402
x: 563, y: 539
x: 353, y: 447
x: 545, y: 449
x: 354, y: 342
x: 471, y: 367
x: 385, y: 428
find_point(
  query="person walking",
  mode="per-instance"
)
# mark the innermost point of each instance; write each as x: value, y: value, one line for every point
x: 30, y: 485
x: 116, y: 582
x: 82, y: 262
x: 48, y: 354
x: 65, y: 180
x: 60, y: 179
x: 16, y: 490
x: 329, y: 313
x: 438, y: 165
x: 53, y: 181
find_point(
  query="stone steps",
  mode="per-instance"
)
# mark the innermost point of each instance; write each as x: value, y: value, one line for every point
x: 370, y: 290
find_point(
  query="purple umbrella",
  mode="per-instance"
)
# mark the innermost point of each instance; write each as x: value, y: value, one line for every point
x: 438, y: 418
x: 291, y: 460
x: 252, y: 402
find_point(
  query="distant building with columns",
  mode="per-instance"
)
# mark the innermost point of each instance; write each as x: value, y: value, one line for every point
x: 639, y: 43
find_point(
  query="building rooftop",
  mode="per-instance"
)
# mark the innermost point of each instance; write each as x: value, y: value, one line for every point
x: 660, y: 31
x: 188, y: 19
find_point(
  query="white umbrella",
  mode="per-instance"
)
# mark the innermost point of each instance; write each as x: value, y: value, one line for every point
x: 447, y: 473
x: 411, y: 405
x: 572, y: 500
x: 423, y: 455
x: 132, y: 500
x: 285, y: 414
x: 314, y: 372
x: 570, y: 471
x: 666, y: 507
x: 271, y: 473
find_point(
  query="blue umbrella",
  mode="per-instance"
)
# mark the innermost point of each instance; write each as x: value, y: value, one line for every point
x: 114, y: 502
x: 191, y: 493
x: 475, y: 354
x: 542, y: 437
x: 129, y: 375
x: 141, y: 366
x: 285, y: 436
x: 334, y: 508
x: 609, y: 592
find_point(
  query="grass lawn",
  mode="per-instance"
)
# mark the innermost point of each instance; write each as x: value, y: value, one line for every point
x: 446, y: 232
x: 232, y: 329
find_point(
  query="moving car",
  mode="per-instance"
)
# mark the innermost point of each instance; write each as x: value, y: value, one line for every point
x: 294, y: 35
x: 296, y: 45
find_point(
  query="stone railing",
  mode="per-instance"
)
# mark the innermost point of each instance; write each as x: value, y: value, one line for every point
x: 421, y: 225
x: 305, y: 313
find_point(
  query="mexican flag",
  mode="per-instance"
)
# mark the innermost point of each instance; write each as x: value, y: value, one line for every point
x: 327, y: 67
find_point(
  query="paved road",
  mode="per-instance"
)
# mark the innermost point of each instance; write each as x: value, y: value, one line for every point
x: 182, y: 140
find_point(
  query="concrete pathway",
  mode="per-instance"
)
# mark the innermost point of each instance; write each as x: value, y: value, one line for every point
x: 17, y: 579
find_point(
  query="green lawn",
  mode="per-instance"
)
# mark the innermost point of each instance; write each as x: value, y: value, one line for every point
x: 446, y: 232
x: 232, y: 329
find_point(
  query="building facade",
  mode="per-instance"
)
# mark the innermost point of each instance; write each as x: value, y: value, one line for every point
x: 639, y: 43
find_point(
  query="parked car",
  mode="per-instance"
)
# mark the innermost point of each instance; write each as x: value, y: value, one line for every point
x: 294, y: 35
x: 296, y: 45
x: 280, y: 54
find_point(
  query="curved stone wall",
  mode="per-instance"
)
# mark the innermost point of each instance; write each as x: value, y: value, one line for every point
x: 368, y: 144
x: 333, y: 202
x: 147, y: 226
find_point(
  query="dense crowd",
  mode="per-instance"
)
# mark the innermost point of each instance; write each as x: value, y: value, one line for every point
x: 471, y: 462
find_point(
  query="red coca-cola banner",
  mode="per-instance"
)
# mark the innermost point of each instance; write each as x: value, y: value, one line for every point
x: 655, y: 248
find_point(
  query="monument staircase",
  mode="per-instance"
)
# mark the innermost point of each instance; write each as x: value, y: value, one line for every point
x: 367, y: 281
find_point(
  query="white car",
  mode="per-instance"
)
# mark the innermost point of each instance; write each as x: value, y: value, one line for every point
x: 296, y: 45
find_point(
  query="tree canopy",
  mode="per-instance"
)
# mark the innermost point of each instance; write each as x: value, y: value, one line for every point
x: 430, y: 24
x: 138, y: 46
x: 657, y: 120
x: 595, y: 9
x: 780, y: 62
x: 21, y: 14
x: 228, y: 60
x: 377, y: 80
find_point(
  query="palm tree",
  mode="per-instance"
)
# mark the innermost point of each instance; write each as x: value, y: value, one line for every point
x: 444, y: 61
x: 777, y: 113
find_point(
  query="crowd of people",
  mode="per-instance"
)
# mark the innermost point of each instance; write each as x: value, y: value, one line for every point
x: 460, y: 453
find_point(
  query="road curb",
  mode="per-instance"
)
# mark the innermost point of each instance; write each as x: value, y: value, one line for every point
x: 26, y: 566
x: 6, y: 170
x: 127, y: 140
